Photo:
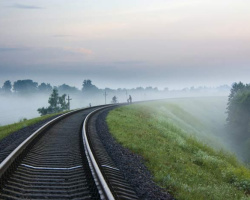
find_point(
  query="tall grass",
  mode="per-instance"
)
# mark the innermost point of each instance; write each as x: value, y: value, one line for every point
x: 178, y: 160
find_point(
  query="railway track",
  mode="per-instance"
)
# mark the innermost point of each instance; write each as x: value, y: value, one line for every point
x: 64, y: 159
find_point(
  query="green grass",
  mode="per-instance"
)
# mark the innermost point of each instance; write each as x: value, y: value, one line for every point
x: 161, y: 132
x: 8, y: 129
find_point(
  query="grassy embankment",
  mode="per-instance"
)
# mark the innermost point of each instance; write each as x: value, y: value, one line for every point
x: 8, y: 129
x: 168, y: 138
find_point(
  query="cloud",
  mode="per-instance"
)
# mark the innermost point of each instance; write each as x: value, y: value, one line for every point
x: 62, y: 35
x: 129, y: 62
x: 84, y: 51
x: 9, y: 49
x: 22, y: 6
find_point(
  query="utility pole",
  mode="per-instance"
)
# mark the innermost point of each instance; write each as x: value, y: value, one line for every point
x: 69, y: 102
x: 105, y: 94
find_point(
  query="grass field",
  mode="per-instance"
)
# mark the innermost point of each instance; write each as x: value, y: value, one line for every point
x: 179, y: 157
x: 8, y: 129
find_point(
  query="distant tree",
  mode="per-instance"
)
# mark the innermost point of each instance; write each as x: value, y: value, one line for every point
x: 236, y: 87
x: 88, y: 87
x: 156, y: 89
x: 63, y: 103
x: 149, y: 88
x: 166, y: 89
x: 43, y: 87
x: 67, y: 89
x: 114, y: 99
x: 223, y: 88
x: 43, y: 111
x: 54, y: 100
x: 25, y: 86
x: 140, y: 89
x: 7, y: 87
x: 57, y: 104
x: 109, y: 90
x: 238, y: 110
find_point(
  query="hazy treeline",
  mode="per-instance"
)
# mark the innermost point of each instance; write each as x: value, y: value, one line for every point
x: 21, y: 98
x: 238, y: 120
x: 31, y: 87
x: 24, y: 87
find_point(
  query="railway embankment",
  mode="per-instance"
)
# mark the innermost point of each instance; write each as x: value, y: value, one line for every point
x: 165, y: 152
x: 166, y: 139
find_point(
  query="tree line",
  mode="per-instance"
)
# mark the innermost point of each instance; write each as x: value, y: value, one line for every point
x: 26, y: 87
x: 30, y: 87
x: 238, y: 119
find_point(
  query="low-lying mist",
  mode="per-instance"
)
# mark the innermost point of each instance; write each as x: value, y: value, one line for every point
x: 14, y: 107
x: 207, y: 112
x: 209, y: 115
x: 204, y: 118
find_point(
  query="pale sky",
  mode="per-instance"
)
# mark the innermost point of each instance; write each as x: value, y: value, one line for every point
x: 126, y: 43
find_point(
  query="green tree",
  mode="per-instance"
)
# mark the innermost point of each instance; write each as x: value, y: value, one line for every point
x: 238, y: 119
x: 114, y: 99
x: 234, y: 90
x: 56, y: 104
x: 62, y: 101
x: 7, y: 87
x: 25, y: 86
x: 88, y: 87
x: 67, y: 89
x: 54, y: 101
x: 43, y: 87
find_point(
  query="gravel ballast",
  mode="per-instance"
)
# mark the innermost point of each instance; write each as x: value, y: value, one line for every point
x: 9, y: 143
x: 130, y: 164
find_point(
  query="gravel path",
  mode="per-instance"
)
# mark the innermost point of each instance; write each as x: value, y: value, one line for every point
x: 130, y: 164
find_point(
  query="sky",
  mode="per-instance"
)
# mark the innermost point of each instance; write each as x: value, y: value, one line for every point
x: 126, y: 43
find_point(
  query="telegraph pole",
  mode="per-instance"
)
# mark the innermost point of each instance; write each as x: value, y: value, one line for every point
x: 126, y: 95
x: 69, y: 102
x: 105, y: 94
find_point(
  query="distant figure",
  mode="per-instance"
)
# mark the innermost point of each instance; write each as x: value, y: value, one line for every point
x: 89, y: 104
x: 130, y: 99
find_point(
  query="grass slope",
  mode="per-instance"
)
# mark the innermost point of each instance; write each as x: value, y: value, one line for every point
x: 8, y: 129
x: 179, y: 161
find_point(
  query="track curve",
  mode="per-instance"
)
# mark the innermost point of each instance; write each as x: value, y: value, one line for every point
x: 53, y: 166
x: 64, y: 159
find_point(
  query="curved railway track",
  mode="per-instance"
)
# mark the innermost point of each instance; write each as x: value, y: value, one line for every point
x: 64, y: 159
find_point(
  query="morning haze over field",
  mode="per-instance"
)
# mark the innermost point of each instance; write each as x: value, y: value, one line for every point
x: 180, y: 67
x: 160, y: 43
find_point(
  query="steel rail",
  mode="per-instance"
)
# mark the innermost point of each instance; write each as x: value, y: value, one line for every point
x: 109, y: 179
x: 96, y: 172
x: 13, y: 157
x: 6, y: 163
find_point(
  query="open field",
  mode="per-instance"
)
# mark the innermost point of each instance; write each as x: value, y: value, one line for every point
x: 177, y: 138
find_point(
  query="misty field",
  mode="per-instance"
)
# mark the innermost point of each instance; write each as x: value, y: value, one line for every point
x: 180, y: 142
x: 15, y: 108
